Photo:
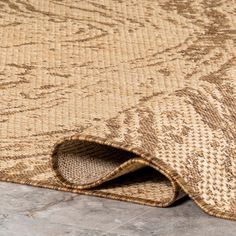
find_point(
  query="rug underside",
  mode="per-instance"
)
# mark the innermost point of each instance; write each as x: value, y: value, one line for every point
x: 130, y: 100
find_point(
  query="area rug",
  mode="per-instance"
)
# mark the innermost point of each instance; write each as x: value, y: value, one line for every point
x: 125, y: 99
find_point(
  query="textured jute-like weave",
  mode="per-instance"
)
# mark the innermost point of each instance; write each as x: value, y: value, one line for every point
x: 127, y: 99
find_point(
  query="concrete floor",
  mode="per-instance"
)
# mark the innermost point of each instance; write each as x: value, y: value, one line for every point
x: 27, y: 211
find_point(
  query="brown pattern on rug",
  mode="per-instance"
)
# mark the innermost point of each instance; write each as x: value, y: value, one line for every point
x: 131, y: 100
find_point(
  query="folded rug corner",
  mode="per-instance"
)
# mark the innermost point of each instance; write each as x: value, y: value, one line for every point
x: 130, y: 100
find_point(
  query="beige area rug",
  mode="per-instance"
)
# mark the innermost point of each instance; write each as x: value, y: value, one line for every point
x: 132, y: 100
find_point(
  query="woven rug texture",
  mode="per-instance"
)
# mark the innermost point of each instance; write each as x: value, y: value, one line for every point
x: 125, y: 99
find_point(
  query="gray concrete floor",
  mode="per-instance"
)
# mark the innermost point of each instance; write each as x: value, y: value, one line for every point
x: 31, y: 211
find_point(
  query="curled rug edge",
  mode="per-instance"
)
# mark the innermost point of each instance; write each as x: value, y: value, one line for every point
x: 179, y: 186
x: 163, y: 92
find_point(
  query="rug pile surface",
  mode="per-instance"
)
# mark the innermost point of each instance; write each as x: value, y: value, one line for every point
x: 131, y: 100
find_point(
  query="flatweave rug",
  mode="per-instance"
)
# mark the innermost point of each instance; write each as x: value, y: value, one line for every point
x: 125, y: 99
